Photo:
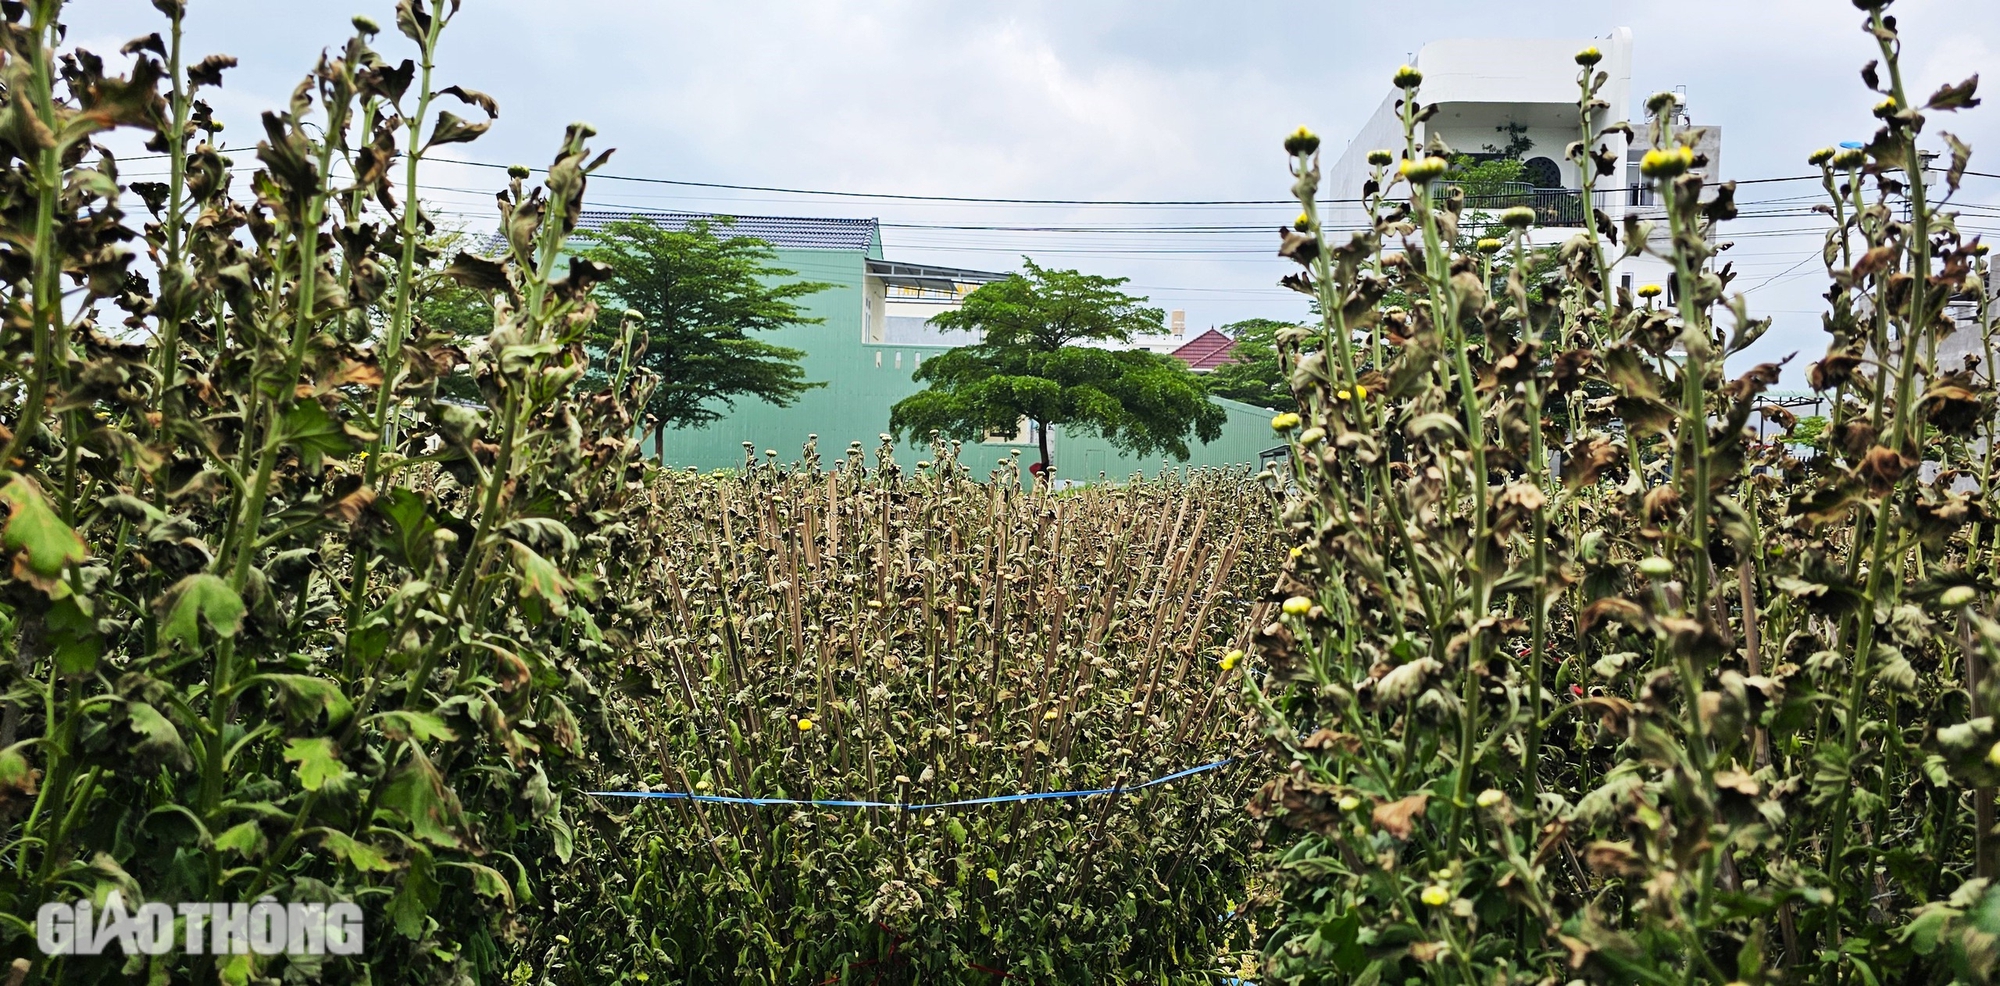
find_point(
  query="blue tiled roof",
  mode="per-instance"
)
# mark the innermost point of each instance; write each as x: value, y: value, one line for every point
x: 798, y: 232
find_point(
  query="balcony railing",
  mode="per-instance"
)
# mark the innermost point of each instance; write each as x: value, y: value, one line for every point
x: 1553, y: 206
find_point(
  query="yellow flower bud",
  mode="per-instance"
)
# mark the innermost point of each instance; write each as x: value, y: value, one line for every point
x: 1360, y: 392
x: 1993, y: 755
x: 1436, y: 896
x: 1490, y: 797
x: 1298, y: 606
x: 1820, y: 157
x: 1958, y: 595
x: 1408, y: 77
x: 1668, y: 163
x: 1650, y: 290
x: 805, y: 725
x: 1349, y: 802
x: 1312, y: 436
x: 1488, y: 244
x: 1518, y: 217
x: 1342, y: 396
x: 1303, y: 223
x: 1422, y: 170
x: 1381, y: 158
x: 1849, y: 158
x: 1285, y: 422
x: 1589, y: 56
x: 1302, y: 141
x: 1656, y: 566
x: 1228, y: 662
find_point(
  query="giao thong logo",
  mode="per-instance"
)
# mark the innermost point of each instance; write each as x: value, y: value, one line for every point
x: 263, y: 928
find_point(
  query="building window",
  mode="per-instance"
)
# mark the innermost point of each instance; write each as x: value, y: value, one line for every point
x: 1540, y: 172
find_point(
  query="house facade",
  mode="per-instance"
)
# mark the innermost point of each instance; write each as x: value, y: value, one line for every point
x: 874, y: 335
x: 1491, y: 93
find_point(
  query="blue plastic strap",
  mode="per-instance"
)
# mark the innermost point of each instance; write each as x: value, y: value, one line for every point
x: 1034, y: 796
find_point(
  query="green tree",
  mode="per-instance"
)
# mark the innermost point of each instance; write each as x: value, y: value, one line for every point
x: 702, y: 295
x: 1253, y: 374
x: 1029, y: 364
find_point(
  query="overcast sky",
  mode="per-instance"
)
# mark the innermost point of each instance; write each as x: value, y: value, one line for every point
x: 1083, y: 99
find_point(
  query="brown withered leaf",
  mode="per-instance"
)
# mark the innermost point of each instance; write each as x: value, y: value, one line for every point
x: 1834, y: 370
x: 1398, y: 818
x: 1955, y: 97
x: 1297, y: 800
x: 1855, y: 437
x: 1877, y: 258
x: 1883, y: 467
x: 1327, y: 739
x: 1588, y: 458
x: 1570, y: 367
x: 1737, y: 780
x: 1526, y: 497
x: 1614, y: 859
x: 349, y: 508
x: 208, y: 71
x: 1760, y: 378
x: 1579, y: 950
x: 1954, y: 409
x: 1294, y: 245
x: 477, y: 272
x: 1610, y: 608
x: 1428, y: 951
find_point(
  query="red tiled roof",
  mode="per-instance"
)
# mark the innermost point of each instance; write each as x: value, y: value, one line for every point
x: 1206, y: 351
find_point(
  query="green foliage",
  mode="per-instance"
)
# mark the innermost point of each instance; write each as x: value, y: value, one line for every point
x: 699, y: 297
x: 1810, y: 430
x: 1254, y: 374
x: 267, y: 627
x: 1673, y: 706
x: 1029, y: 365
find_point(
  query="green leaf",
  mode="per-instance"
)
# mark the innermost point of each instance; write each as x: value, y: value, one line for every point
x: 356, y: 853
x: 158, y: 740
x: 487, y: 882
x: 73, y: 636
x: 34, y: 529
x: 562, y: 838
x: 540, y: 579
x: 234, y: 971
x: 305, y: 696
x: 202, y: 597
x: 418, y: 794
x: 418, y: 895
x: 1924, y: 930
x: 420, y: 726
x: 318, y: 763
x: 309, y: 428
x: 17, y: 777
x: 245, y: 840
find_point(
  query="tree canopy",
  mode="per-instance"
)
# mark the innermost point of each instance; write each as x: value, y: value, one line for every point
x: 1030, y: 364
x: 1253, y: 374
x: 702, y: 295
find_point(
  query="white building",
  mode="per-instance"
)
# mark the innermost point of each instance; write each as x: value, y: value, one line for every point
x: 1488, y: 91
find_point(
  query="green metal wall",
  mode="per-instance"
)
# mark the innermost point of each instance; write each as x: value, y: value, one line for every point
x: 854, y: 405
